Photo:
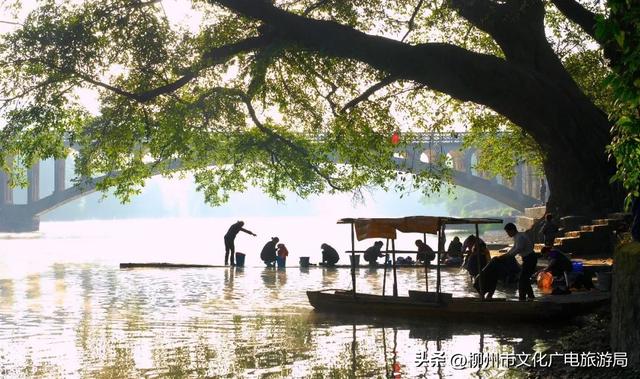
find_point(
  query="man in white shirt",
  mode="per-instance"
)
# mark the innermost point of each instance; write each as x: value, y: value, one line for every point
x: 523, y: 246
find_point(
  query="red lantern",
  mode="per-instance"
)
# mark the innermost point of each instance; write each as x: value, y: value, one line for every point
x: 395, y: 138
x: 396, y: 370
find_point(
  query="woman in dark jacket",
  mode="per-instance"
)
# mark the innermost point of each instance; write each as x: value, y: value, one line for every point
x: 268, y: 254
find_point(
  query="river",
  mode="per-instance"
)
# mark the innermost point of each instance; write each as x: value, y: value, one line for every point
x: 67, y: 310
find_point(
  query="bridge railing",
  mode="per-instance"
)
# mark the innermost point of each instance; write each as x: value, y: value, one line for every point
x: 423, y: 137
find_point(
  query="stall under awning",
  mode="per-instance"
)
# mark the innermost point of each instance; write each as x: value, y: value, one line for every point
x: 375, y: 228
x: 386, y: 227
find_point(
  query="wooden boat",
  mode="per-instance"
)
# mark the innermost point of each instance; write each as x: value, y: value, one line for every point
x: 439, y: 305
x: 551, y: 308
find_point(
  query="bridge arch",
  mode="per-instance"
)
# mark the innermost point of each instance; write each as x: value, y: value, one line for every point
x: 487, y: 187
x: 516, y: 193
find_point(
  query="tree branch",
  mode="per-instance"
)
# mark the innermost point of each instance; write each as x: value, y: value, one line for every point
x: 368, y: 92
x: 412, y: 20
x: 300, y: 150
x: 575, y: 12
x: 314, y: 6
x: 586, y: 19
x: 513, y: 89
x: 209, y: 58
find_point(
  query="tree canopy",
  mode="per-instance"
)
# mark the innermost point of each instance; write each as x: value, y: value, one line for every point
x: 304, y: 95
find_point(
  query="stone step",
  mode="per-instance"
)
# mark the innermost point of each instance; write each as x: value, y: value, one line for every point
x: 574, y: 234
x: 586, y: 244
x: 524, y: 222
x: 614, y: 223
x: 535, y: 212
x: 561, y: 240
x: 574, y: 222
x: 605, y: 228
x: 619, y: 216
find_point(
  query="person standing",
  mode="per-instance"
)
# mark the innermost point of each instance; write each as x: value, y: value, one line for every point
x: 523, y: 246
x: 229, y: 241
x: 543, y: 191
x: 478, y: 257
x: 283, y: 253
x: 549, y: 230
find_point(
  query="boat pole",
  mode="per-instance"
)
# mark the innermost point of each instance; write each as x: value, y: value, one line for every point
x: 353, y: 259
x: 440, y: 232
x: 384, y: 278
x: 481, y: 351
x: 384, y: 349
x: 353, y: 350
x: 395, y: 278
x: 426, y: 266
x: 479, y: 263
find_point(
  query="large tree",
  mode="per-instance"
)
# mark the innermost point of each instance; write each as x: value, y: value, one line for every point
x: 246, y: 90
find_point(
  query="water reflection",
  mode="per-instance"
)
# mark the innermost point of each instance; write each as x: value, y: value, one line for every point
x: 251, y: 322
x: 6, y: 295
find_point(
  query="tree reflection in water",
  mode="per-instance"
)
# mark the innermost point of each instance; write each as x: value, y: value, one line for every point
x: 101, y: 322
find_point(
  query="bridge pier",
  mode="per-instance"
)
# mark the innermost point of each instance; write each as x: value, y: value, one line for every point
x: 6, y: 192
x: 4, y: 189
x: 18, y: 219
x: 33, y: 176
x: 59, y: 167
x: 518, y: 179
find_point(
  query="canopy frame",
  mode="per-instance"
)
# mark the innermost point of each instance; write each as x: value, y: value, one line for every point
x: 365, y: 228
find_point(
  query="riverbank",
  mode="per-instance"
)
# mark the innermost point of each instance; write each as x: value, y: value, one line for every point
x: 590, y: 334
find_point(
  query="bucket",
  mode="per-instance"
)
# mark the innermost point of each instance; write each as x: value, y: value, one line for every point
x: 604, y: 280
x: 280, y: 261
x: 240, y: 259
x: 304, y: 261
x: 577, y: 266
x: 354, y: 260
x: 545, y: 282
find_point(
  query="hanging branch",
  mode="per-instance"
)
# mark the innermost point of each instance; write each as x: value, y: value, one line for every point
x: 412, y: 20
x: 300, y: 150
x: 368, y: 92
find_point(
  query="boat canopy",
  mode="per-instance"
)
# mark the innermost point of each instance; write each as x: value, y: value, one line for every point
x: 387, y: 227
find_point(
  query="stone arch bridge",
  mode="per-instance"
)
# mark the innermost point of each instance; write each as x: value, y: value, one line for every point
x: 520, y: 192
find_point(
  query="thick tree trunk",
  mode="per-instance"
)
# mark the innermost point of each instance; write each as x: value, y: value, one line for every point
x: 531, y: 87
x: 580, y: 185
x: 576, y: 164
x: 625, y: 303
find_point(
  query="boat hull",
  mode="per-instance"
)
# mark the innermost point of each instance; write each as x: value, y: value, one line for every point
x: 470, y: 309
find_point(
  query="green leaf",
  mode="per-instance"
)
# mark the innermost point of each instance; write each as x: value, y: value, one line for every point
x: 620, y: 38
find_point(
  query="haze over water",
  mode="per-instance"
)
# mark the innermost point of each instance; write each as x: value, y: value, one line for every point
x: 67, y: 310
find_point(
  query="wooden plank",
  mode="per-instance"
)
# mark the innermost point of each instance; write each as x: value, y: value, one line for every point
x: 164, y: 265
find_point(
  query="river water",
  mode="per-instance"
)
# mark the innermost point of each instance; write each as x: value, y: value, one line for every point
x: 67, y: 310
